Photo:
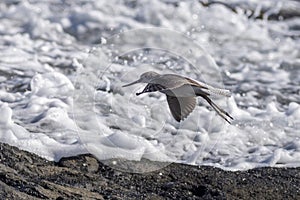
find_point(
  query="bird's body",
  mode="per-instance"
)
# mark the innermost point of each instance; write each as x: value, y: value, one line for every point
x: 181, y: 93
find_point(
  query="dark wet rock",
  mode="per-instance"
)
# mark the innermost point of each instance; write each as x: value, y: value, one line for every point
x: 288, y: 11
x: 26, y: 176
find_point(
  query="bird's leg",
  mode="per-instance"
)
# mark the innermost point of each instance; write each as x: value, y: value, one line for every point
x: 220, y: 111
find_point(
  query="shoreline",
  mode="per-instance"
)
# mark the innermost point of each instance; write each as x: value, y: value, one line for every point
x: 24, y: 175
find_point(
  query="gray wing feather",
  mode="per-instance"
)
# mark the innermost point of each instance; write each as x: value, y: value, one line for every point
x: 150, y: 87
x: 181, y: 107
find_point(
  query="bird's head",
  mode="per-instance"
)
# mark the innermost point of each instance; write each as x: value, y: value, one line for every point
x: 144, y: 78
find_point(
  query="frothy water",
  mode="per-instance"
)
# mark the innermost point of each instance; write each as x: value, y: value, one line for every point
x: 63, y: 64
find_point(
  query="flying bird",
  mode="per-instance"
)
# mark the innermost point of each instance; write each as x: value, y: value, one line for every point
x: 181, y: 93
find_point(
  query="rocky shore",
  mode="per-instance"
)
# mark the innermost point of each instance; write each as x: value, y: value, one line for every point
x: 26, y: 176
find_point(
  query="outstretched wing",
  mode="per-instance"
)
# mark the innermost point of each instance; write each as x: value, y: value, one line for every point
x: 151, y: 87
x: 181, y: 107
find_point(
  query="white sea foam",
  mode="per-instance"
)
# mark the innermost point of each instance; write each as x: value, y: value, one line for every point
x: 61, y: 95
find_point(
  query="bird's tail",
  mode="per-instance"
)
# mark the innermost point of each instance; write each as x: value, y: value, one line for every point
x: 217, y: 91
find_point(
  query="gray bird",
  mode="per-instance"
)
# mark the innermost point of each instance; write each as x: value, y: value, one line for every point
x: 181, y: 93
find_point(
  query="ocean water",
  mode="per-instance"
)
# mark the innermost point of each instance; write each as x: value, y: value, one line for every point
x: 63, y: 64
